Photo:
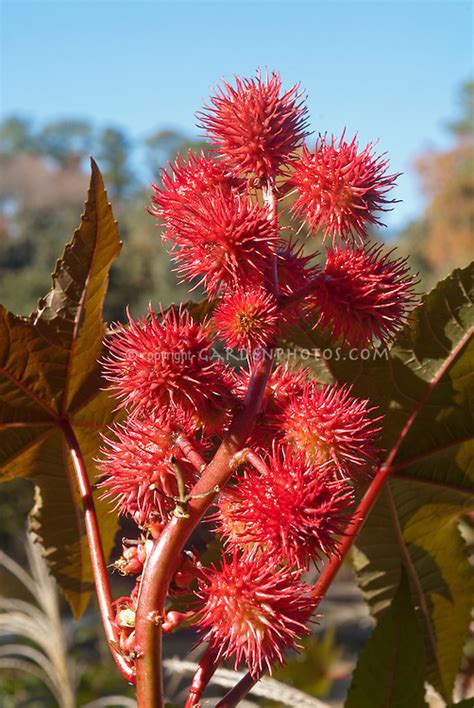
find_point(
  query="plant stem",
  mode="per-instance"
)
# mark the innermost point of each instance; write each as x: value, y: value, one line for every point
x: 375, y: 487
x: 353, y: 528
x: 256, y: 461
x: 270, y: 199
x: 99, y: 568
x: 304, y: 290
x: 192, y: 455
x: 239, y: 691
x: 166, y: 552
x: 207, y: 666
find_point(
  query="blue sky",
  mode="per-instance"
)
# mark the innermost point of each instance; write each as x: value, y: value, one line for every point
x: 389, y: 70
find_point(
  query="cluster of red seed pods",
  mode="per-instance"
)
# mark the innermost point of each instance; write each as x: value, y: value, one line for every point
x: 292, y: 493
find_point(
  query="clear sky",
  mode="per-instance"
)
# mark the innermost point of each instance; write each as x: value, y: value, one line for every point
x: 389, y: 70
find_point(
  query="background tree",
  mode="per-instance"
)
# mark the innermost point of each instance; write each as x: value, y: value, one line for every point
x: 16, y: 136
x: 66, y: 141
x: 114, y: 147
x: 161, y: 147
x: 41, y: 194
x: 443, y: 237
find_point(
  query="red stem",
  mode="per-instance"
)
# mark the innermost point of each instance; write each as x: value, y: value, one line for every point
x: 239, y: 691
x: 166, y: 552
x: 327, y: 576
x: 379, y: 480
x: 353, y: 528
x: 99, y: 568
x: 207, y: 666
x: 165, y: 555
x: 256, y: 461
x: 305, y: 289
x: 192, y: 455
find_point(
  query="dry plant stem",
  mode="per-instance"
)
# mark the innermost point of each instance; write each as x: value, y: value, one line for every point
x: 270, y: 199
x: 165, y: 555
x: 99, y: 568
x: 207, y: 666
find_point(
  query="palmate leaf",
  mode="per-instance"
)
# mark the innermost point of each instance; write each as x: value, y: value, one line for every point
x: 390, y: 670
x: 49, y: 376
x: 416, y: 528
x: 424, y: 386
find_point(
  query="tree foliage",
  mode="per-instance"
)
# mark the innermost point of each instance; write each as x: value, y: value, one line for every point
x: 39, y: 203
x: 443, y: 238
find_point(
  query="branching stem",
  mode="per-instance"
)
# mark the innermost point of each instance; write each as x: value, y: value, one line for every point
x: 242, y: 688
x: 305, y: 289
x: 353, y: 528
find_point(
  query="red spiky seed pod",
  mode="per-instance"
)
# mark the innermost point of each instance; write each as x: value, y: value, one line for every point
x: 255, y: 125
x: 247, y: 318
x: 223, y: 240
x: 253, y: 611
x: 138, y: 469
x: 165, y: 364
x: 328, y: 425
x: 339, y: 189
x: 363, y: 295
x: 292, y: 514
x: 295, y: 269
x: 198, y: 174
